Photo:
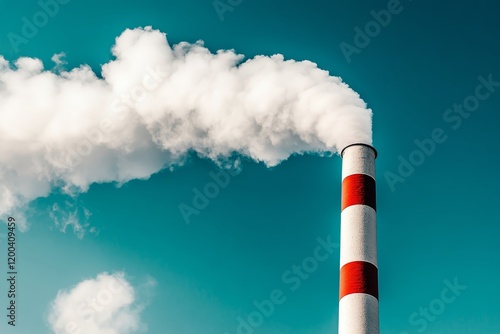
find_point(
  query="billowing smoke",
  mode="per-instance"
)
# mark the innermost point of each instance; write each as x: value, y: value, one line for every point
x: 156, y: 103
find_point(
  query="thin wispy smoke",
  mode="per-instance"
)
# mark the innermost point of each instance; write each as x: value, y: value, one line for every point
x: 153, y: 105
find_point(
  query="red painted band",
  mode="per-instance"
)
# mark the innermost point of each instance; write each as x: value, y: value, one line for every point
x: 358, y: 277
x: 358, y: 189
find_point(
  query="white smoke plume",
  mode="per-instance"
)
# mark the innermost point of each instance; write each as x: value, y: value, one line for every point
x: 154, y: 104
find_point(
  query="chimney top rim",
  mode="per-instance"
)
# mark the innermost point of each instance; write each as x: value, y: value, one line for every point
x: 359, y: 144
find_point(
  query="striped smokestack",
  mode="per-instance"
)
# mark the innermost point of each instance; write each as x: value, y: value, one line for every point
x: 358, y: 305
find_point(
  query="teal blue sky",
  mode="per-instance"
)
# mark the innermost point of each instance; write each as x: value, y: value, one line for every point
x: 437, y: 224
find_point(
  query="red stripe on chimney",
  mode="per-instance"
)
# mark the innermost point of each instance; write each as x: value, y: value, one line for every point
x: 358, y: 277
x: 358, y: 189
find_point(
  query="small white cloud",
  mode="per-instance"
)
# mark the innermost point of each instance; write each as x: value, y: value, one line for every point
x: 103, y: 305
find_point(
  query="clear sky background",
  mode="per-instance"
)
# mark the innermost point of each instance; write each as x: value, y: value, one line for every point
x: 438, y: 222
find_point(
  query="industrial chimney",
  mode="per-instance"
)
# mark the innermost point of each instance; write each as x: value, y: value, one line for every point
x: 358, y: 305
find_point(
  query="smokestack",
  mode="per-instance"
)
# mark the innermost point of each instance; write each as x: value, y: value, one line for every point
x: 358, y: 305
